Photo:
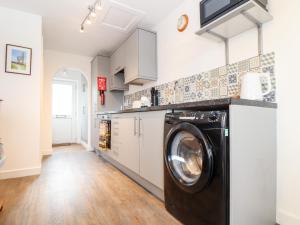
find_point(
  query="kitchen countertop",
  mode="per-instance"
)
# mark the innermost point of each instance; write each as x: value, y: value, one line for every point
x: 200, y: 105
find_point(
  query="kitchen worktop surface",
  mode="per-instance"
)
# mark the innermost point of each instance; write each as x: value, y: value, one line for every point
x: 200, y: 105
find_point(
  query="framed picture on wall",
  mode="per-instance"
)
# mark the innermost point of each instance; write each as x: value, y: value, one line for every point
x: 18, y: 60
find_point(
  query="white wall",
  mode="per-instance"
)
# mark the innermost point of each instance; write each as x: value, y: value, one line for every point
x: 185, y: 54
x: 53, y: 62
x: 20, y: 111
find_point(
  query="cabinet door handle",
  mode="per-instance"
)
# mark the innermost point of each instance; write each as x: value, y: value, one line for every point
x: 134, y: 132
x: 140, y: 126
x: 118, y: 68
x: 135, y: 119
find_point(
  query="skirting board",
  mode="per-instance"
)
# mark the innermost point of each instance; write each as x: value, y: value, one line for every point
x: 9, y: 174
x: 46, y: 152
x: 286, y: 218
x: 86, y: 146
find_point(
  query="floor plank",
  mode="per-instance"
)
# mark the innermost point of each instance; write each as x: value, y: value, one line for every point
x: 77, y: 188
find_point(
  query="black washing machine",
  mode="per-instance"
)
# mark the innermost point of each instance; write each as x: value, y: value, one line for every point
x: 196, y: 167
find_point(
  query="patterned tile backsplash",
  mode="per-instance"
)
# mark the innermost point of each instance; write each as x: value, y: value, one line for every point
x: 218, y: 83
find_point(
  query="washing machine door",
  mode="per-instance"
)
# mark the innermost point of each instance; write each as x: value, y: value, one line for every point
x: 188, y: 157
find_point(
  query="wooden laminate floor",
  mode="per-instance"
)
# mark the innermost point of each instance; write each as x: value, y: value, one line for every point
x: 77, y: 188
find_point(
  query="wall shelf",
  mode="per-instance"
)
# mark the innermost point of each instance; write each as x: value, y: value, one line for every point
x: 241, y: 19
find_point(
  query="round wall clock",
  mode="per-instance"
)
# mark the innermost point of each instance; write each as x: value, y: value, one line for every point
x: 183, y: 22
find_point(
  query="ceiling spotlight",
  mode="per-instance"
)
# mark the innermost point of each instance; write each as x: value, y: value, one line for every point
x: 93, y: 13
x: 82, y: 29
x: 99, y: 5
x: 88, y: 21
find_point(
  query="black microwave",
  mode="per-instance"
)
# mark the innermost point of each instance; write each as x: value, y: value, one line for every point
x: 211, y: 10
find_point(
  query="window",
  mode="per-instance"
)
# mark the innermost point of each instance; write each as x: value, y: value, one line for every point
x: 62, y: 99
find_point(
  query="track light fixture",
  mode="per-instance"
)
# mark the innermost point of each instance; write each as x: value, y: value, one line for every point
x: 92, y: 14
x: 98, y: 5
x: 88, y: 21
x: 81, y: 29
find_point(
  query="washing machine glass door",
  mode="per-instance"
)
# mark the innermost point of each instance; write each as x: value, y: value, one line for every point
x: 189, y: 157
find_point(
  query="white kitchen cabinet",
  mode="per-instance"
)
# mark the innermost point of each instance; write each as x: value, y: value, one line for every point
x: 151, y: 147
x: 115, y: 138
x: 141, y: 57
x: 125, y: 140
x: 137, y: 144
x: 118, y: 60
x: 117, y: 70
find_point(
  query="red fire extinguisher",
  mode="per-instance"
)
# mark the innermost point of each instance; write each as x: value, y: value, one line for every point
x: 102, y: 87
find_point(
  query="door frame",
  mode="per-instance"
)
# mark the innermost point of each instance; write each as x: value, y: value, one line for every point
x: 74, y: 133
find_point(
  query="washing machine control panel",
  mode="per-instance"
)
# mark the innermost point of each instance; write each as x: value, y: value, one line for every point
x: 207, y: 116
x: 201, y: 117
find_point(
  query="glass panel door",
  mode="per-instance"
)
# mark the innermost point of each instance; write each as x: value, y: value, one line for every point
x: 186, y: 158
x: 63, y: 112
x: 62, y: 100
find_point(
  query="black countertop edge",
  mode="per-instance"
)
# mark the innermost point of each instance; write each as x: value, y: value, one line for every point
x: 217, y: 104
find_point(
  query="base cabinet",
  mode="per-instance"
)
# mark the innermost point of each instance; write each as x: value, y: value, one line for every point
x: 125, y: 140
x: 151, y: 147
x: 137, y: 144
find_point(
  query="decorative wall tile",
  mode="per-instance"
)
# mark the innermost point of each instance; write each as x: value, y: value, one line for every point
x: 214, y: 83
x: 223, y: 91
x: 214, y: 73
x: 244, y: 66
x: 254, y: 62
x: 199, y: 86
x: 206, y: 84
x: 206, y: 75
x: 223, y: 70
x: 200, y: 96
x: 215, y: 93
x: 233, y: 90
x: 233, y: 68
x: 218, y: 83
x: 199, y: 77
x: 223, y: 81
x: 233, y: 79
x: 207, y: 94
x: 268, y: 59
x: 256, y: 70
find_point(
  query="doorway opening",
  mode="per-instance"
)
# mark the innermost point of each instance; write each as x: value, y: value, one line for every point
x: 69, y: 108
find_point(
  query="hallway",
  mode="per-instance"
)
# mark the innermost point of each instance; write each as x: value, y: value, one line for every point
x: 77, y: 188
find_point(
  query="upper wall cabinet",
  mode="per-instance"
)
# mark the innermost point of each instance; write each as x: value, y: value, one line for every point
x: 117, y: 66
x: 141, y: 58
x: 118, y: 60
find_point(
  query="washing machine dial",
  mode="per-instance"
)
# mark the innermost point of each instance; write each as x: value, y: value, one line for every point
x: 213, y: 117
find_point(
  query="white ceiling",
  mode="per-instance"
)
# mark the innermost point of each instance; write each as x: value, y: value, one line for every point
x: 62, y: 19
